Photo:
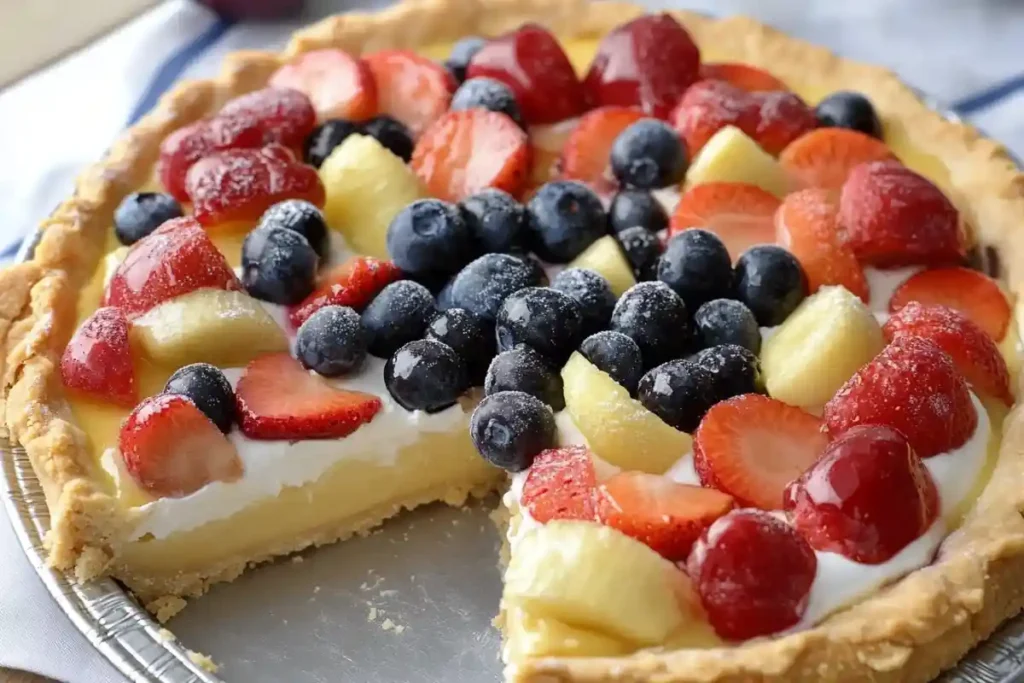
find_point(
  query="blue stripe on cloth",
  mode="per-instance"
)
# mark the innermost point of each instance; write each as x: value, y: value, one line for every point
x: 989, y: 96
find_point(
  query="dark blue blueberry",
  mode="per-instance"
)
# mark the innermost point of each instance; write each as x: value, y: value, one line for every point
x: 733, y: 369
x: 631, y: 208
x: 278, y: 265
x: 397, y: 316
x: 726, y: 321
x: 617, y: 355
x: 592, y: 292
x: 770, y: 281
x: 523, y: 369
x: 425, y: 375
x: 697, y: 266
x: 649, y: 154
x: 543, y: 318
x: 444, y: 297
x: 471, y: 337
x: 332, y: 341
x: 461, y: 54
x: 483, y: 285
x: 429, y: 238
x: 845, y: 109
x: 642, y: 249
x: 324, y: 138
x: 679, y: 392
x: 302, y: 217
x: 564, y: 217
x: 392, y: 134
x: 496, y: 220
x: 209, y: 389
x: 490, y: 94
x: 140, y: 213
x: 510, y: 428
x: 655, y: 318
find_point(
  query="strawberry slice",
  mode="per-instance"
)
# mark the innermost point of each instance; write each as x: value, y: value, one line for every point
x: 913, y: 387
x: 339, y: 85
x: 285, y: 115
x: 185, y: 146
x: 666, y: 516
x: 98, y: 362
x: 825, y: 157
x: 171, y: 448
x: 973, y: 293
x: 530, y: 61
x: 745, y: 76
x: 466, y: 151
x: 175, y: 259
x: 586, y: 155
x: 752, y: 446
x: 973, y: 351
x: 410, y: 88
x: 806, y: 224
x: 560, y: 485
x: 741, y: 215
x: 354, y: 284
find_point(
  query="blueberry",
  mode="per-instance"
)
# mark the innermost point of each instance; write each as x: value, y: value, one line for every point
x: 845, y: 109
x: 523, y: 369
x: 278, y: 265
x: 490, y: 94
x: 443, y: 300
x: 140, y: 213
x: 655, y: 318
x: 471, y: 337
x: 679, y: 392
x: 631, y: 208
x: 429, y: 237
x: 332, y: 341
x: 770, y: 281
x: 592, y: 292
x: 397, y: 316
x: 726, y: 321
x: 302, y: 217
x: 543, y: 318
x: 616, y: 354
x: 733, y: 370
x: 461, y: 54
x: 483, y: 285
x: 324, y: 138
x: 392, y: 134
x: 564, y: 218
x: 643, y: 251
x: 209, y: 389
x: 697, y: 266
x: 648, y: 154
x: 425, y: 374
x: 510, y: 428
x: 496, y: 220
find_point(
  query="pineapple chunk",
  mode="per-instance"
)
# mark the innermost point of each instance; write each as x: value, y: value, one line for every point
x: 606, y: 258
x: 366, y: 187
x: 208, y: 325
x: 110, y: 263
x: 820, y: 346
x: 617, y: 427
x: 730, y: 156
x: 532, y: 636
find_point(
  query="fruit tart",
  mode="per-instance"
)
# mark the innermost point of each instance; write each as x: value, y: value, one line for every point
x: 737, y: 318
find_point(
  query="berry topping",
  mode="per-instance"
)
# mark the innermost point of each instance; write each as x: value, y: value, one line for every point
x: 278, y: 399
x: 544, y: 319
x: 425, y: 374
x: 648, y: 155
x: 630, y: 208
x: 617, y: 355
x: 653, y: 316
x: 185, y: 146
x: 593, y: 294
x: 302, y: 217
x: 397, y: 316
x: 461, y: 54
x: 331, y: 342
x: 643, y: 251
x: 140, y: 213
x: 338, y: 85
x: 286, y: 116
x: 753, y: 573
x: 523, y: 369
x: 324, y: 138
x: 392, y: 134
x: 744, y: 76
x: 850, y: 110
x: 510, y: 428
x: 770, y: 281
x: 469, y: 336
x: 740, y: 214
x: 208, y: 389
x: 696, y: 265
x: 429, y: 237
x: 496, y: 220
x: 726, y: 321
x: 752, y: 446
x: 413, y: 89
x: 278, y: 265
x: 825, y: 157
x: 679, y: 392
x: 586, y: 155
x: 560, y: 485
x: 98, y: 360
x: 895, y: 217
x: 734, y: 370
x: 564, y: 218
x: 490, y: 94
x: 867, y: 497
x: 354, y: 284
x: 974, y: 294
x: 483, y: 285
x: 913, y: 387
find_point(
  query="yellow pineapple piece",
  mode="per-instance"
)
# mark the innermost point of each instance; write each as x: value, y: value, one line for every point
x: 606, y: 258
x: 731, y: 156
x: 532, y: 636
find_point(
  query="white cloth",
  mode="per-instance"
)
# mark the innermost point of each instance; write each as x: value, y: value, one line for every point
x: 64, y: 117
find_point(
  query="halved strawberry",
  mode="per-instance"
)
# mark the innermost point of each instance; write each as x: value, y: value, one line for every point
x: 971, y: 292
x: 338, y: 84
x: 586, y: 155
x: 745, y: 76
x: 353, y: 284
x: 98, y: 360
x: 825, y: 157
x: 285, y: 115
x: 741, y: 215
x: 752, y: 446
x: 560, y: 485
x: 279, y: 399
x: 171, y: 448
x: 666, y: 516
x: 413, y: 89
x: 466, y: 151
x: 184, y: 147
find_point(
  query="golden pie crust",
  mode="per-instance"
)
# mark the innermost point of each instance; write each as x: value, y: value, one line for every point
x: 908, y: 632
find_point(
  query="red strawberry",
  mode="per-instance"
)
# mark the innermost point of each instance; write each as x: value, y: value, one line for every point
x: 238, y: 185
x: 339, y: 85
x: 466, y: 151
x: 175, y: 259
x: 647, y: 63
x: 353, y: 283
x: 752, y: 446
x: 913, y: 387
x: 413, y: 89
x: 867, y: 497
x: 825, y: 157
x: 585, y: 156
x: 973, y: 351
x: 807, y: 226
x: 530, y: 61
x: 98, y: 360
x: 745, y: 76
x: 170, y: 448
x: 666, y: 516
x: 285, y: 116
x: 895, y: 217
x: 185, y: 146
x: 279, y: 399
x: 741, y: 215
x: 560, y: 485
x: 974, y: 294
